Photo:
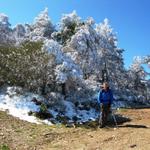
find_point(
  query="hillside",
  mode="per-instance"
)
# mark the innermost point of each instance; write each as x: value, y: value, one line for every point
x: 133, y: 133
x: 50, y: 77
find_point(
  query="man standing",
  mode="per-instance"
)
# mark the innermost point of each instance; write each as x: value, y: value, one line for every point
x: 105, y: 99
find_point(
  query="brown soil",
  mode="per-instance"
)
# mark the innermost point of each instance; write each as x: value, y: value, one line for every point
x: 132, y: 133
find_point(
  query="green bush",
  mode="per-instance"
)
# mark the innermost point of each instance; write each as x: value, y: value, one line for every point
x: 43, y: 108
x: 43, y: 112
x: 4, y: 147
x: 26, y: 65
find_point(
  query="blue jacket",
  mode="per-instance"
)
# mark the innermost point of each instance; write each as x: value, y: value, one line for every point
x: 105, y: 97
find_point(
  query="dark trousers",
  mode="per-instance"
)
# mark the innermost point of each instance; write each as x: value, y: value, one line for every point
x: 105, y: 109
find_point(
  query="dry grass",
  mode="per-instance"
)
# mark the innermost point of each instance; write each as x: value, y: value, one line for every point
x: 134, y: 134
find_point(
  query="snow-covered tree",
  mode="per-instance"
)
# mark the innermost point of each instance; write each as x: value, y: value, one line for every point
x: 136, y: 78
x: 74, y: 57
x: 67, y: 27
x: 19, y: 33
x: 68, y: 19
x: 42, y: 27
x: 146, y: 61
x: 6, y: 36
x: 82, y: 48
x: 110, y: 55
x: 64, y: 68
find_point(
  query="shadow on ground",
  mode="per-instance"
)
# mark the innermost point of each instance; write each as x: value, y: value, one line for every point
x: 138, y: 105
x: 111, y: 122
x: 133, y: 126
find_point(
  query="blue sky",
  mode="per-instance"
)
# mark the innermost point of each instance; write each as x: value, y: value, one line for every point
x: 129, y: 18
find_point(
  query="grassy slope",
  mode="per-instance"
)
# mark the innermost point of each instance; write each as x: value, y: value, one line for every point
x: 21, y: 135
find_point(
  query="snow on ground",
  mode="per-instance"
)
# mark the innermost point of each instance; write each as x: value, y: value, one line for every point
x: 84, y: 115
x: 19, y: 105
x: 70, y: 109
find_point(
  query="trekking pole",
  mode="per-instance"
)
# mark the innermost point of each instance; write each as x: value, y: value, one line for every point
x: 114, y: 118
x: 100, y: 117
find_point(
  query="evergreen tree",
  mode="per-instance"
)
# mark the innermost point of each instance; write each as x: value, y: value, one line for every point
x: 42, y: 27
x: 6, y: 36
x: 110, y: 55
x: 67, y: 27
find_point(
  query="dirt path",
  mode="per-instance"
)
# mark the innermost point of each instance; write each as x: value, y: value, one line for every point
x: 134, y: 134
